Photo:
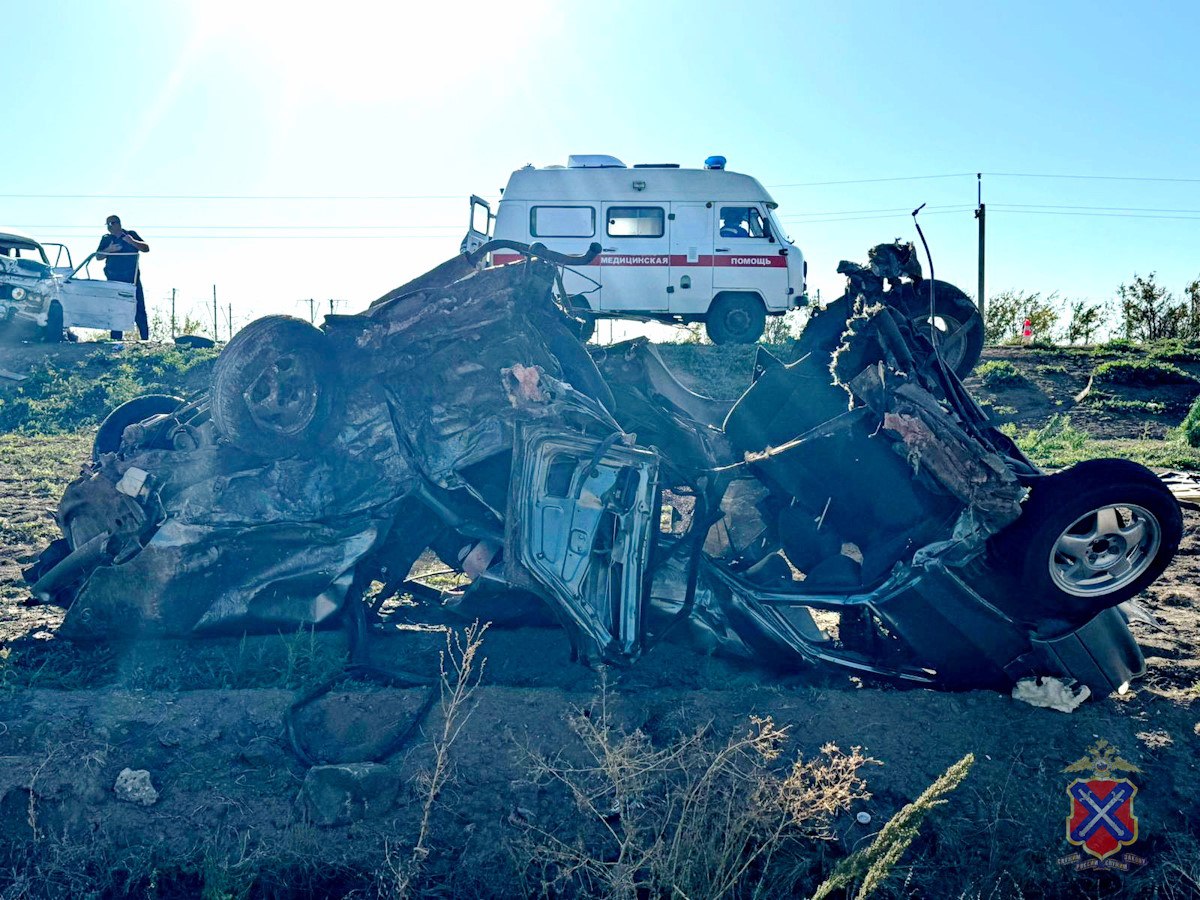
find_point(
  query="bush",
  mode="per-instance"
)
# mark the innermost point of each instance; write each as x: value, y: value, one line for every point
x: 1189, y: 429
x: 55, y: 399
x: 1052, y: 440
x: 999, y: 373
x: 1142, y: 373
x: 1174, y: 350
x: 1008, y: 310
x: 1149, y: 312
x: 1086, y: 319
x: 1118, y: 346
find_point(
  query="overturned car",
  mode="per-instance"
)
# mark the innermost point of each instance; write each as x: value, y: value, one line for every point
x: 853, y: 509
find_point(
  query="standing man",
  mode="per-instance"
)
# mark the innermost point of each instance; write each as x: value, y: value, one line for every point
x: 119, y: 249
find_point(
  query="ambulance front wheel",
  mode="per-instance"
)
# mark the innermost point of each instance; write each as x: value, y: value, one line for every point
x: 736, y: 319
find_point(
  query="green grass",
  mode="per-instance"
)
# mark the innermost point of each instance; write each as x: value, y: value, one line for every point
x: 1101, y: 401
x: 999, y: 373
x: 296, y: 660
x: 1189, y: 429
x: 55, y: 399
x: 1059, y: 443
x: 1142, y: 373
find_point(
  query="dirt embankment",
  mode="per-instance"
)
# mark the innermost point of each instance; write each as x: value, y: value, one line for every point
x: 234, y: 810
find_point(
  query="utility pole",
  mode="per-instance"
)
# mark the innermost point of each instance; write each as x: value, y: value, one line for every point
x: 231, y: 321
x: 216, y: 336
x: 172, y: 314
x: 981, y: 214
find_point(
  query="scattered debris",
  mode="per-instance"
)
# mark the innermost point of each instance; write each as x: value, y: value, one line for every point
x: 134, y: 786
x: 1051, y: 693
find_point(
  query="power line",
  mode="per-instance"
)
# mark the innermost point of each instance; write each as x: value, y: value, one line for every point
x: 873, y: 180
x: 1107, y: 208
x: 233, y: 196
x: 903, y: 215
x: 1093, y: 215
x: 259, y: 227
x: 1092, y: 177
x: 907, y: 210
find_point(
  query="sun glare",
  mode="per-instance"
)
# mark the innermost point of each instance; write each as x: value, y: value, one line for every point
x: 367, y: 51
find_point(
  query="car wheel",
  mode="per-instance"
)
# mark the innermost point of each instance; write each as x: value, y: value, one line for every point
x: 108, y: 435
x: 275, y: 389
x: 735, y: 319
x: 954, y: 315
x: 1089, y: 538
x: 53, y: 333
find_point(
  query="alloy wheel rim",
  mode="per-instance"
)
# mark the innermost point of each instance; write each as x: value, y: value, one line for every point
x: 1104, y: 550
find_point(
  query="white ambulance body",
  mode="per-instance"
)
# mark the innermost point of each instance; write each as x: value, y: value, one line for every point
x: 678, y: 245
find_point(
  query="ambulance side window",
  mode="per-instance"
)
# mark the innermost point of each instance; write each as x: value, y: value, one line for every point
x: 636, y: 221
x: 742, y: 221
x: 562, y: 221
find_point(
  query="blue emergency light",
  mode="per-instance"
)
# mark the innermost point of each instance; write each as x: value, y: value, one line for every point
x: 715, y: 162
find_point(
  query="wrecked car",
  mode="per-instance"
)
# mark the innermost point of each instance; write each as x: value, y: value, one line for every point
x: 55, y: 297
x: 854, y: 509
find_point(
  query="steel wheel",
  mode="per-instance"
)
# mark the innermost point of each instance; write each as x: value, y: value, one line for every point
x: 275, y: 389
x: 283, y: 398
x: 1104, y: 550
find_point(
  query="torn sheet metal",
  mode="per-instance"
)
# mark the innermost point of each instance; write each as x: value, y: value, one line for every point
x: 842, y: 513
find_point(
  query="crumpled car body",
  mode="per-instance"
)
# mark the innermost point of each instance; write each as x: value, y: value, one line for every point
x: 853, y: 509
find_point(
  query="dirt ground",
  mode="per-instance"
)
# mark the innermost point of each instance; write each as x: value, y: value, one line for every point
x: 233, y: 814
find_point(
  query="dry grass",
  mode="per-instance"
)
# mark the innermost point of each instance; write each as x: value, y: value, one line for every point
x: 461, y: 667
x: 690, y: 819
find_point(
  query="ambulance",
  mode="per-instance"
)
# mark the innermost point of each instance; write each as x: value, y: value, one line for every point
x: 677, y: 245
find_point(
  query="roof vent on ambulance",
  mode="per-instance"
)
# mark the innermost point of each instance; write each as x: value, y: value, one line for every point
x: 594, y: 161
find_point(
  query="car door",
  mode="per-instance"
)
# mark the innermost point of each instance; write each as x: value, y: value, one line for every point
x: 690, y: 287
x: 635, y: 261
x: 95, y: 303
x: 746, y: 255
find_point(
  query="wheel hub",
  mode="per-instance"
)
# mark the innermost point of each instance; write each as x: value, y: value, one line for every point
x: 283, y: 398
x: 1104, y: 550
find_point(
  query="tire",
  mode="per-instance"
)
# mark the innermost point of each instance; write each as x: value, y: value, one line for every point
x: 53, y: 333
x: 954, y: 312
x: 735, y: 319
x: 108, y: 435
x: 275, y: 389
x: 1089, y: 538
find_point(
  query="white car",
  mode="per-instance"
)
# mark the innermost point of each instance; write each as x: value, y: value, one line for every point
x: 55, y: 296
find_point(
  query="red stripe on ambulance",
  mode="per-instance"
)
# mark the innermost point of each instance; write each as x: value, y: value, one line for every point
x: 661, y: 260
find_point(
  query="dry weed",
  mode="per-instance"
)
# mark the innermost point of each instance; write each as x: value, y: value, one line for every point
x: 461, y: 667
x: 691, y: 819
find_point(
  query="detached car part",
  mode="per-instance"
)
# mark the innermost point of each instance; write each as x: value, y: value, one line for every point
x: 853, y: 509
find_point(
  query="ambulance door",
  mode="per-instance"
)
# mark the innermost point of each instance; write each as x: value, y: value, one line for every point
x: 690, y: 287
x: 746, y: 256
x: 635, y: 262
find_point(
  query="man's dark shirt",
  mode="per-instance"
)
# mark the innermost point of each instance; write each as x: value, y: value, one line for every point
x: 120, y: 268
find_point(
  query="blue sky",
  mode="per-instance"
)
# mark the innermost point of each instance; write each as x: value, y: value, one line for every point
x: 192, y: 121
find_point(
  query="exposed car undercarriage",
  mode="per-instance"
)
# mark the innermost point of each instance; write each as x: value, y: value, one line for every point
x: 853, y: 509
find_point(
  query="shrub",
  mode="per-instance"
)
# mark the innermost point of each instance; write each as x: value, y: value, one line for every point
x: 1149, y: 312
x: 1118, y: 346
x: 1086, y: 319
x: 1052, y: 440
x: 1174, y: 350
x: 1007, y: 312
x: 1142, y: 373
x: 999, y: 373
x: 1189, y: 429
x: 54, y: 399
